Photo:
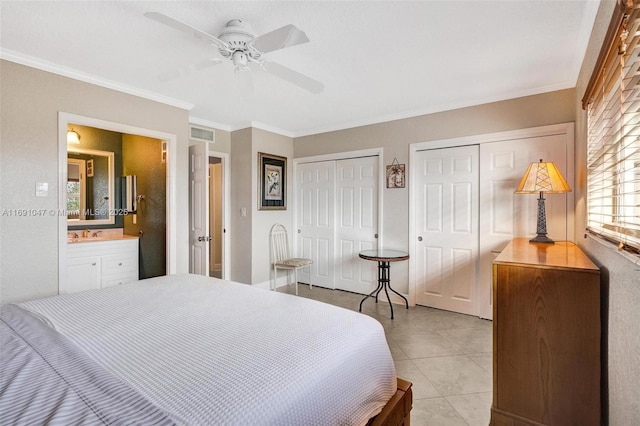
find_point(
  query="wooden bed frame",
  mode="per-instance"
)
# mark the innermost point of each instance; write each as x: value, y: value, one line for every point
x: 397, y: 411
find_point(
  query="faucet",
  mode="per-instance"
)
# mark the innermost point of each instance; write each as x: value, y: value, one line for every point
x: 95, y: 234
x: 85, y: 233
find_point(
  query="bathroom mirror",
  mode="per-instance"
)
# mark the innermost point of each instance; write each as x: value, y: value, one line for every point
x: 90, y: 187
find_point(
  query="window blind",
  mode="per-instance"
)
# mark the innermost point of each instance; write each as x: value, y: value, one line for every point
x: 613, y: 146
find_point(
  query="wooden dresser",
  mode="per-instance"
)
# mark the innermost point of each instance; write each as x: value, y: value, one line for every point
x: 546, y: 336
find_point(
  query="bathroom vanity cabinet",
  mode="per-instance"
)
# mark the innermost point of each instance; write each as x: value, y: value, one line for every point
x: 95, y: 264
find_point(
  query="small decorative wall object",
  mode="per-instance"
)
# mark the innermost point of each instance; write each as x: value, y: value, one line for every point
x: 272, y: 183
x: 163, y: 155
x: 89, y: 168
x: 395, y: 175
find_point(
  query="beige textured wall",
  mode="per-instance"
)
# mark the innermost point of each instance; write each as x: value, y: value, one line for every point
x: 621, y: 277
x: 250, y: 241
x: 29, y: 104
x: 396, y: 136
x: 222, y: 142
x: 241, y: 196
x: 269, y: 143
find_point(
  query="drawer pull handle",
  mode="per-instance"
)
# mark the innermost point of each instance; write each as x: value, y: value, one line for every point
x: 93, y: 264
x: 120, y: 264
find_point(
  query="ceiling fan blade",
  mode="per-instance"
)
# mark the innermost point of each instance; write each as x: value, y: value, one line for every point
x: 188, y: 69
x: 293, y: 77
x: 287, y: 36
x: 188, y: 29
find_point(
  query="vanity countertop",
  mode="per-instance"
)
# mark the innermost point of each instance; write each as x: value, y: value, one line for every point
x: 96, y: 235
x: 71, y: 240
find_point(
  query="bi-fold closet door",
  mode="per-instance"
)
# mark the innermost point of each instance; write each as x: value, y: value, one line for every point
x: 336, y: 217
x: 465, y: 212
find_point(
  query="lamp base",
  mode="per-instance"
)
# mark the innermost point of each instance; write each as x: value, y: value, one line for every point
x: 541, y: 229
x: 542, y: 239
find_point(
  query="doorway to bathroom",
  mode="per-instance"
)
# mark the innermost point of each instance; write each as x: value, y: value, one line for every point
x: 163, y: 204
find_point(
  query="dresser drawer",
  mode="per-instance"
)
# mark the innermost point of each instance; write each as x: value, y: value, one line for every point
x: 119, y: 263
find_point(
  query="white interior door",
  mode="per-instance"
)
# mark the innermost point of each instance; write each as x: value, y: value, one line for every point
x: 356, y: 222
x: 199, y: 209
x: 316, y: 217
x: 505, y: 215
x: 446, y: 223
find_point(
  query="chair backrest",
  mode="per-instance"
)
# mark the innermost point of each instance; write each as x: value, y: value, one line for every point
x: 279, y: 243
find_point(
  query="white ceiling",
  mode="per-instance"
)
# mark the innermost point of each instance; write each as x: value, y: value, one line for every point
x: 379, y: 60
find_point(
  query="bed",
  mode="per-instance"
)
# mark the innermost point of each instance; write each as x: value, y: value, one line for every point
x: 191, y: 350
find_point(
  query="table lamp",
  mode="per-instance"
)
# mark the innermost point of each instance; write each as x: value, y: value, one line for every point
x: 542, y: 177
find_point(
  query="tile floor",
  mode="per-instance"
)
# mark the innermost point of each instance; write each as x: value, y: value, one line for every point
x: 446, y: 355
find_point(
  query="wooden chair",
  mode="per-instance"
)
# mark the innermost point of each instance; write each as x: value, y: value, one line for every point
x: 281, y: 257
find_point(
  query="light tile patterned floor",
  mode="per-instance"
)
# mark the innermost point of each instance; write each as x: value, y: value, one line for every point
x: 446, y: 355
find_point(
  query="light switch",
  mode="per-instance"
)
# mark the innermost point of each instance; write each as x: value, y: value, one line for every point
x: 42, y: 189
x: 243, y: 212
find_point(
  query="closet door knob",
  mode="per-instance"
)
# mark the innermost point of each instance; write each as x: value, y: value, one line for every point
x: 419, y: 238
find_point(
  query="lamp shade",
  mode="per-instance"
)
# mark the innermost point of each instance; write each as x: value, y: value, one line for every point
x: 73, y: 137
x: 543, y: 177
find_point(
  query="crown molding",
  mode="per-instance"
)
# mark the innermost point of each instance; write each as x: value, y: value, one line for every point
x: 53, y: 68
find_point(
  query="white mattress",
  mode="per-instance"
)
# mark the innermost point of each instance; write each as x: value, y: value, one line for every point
x: 209, y: 351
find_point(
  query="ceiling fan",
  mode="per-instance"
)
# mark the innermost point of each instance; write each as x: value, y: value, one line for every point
x: 237, y: 43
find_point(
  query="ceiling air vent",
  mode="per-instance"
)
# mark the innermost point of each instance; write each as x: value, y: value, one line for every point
x: 202, y: 134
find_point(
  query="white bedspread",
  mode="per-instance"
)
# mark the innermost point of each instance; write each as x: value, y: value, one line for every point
x: 213, y: 352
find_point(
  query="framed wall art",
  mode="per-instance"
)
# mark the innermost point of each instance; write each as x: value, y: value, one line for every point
x: 272, y: 175
x: 395, y: 175
x: 89, y: 168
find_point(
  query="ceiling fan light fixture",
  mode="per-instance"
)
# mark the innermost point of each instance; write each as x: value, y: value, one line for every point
x: 239, y: 59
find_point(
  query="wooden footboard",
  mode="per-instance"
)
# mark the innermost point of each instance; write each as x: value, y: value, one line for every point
x: 397, y: 410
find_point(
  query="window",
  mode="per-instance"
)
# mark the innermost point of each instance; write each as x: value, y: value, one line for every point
x: 73, y: 200
x: 75, y: 189
x: 613, y: 146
